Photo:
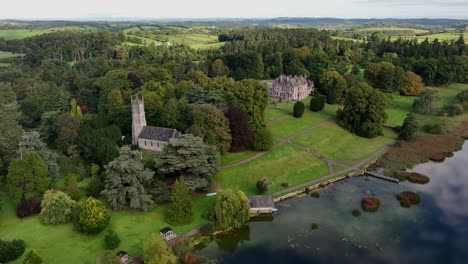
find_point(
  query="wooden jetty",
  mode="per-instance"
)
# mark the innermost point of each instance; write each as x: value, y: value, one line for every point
x: 382, y: 177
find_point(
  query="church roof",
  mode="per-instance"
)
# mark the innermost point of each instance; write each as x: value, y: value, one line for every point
x: 158, y: 133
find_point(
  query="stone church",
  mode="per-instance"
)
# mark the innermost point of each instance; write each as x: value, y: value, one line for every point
x: 148, y: 137
x: 291, y: 87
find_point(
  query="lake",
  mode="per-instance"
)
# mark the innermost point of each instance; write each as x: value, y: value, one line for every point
x: 434, y: 231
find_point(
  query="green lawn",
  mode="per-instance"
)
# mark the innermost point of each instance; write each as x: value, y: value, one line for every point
x: 289, y: 126
x: 399, y: 107
x: 61, y: 244
x: 9, y: 34
x: 336, y: 143
x: 337, y: 168
x: 284, y: 163
x: 231, y: 157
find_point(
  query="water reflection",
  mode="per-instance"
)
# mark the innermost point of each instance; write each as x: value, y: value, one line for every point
x: 435, y: 231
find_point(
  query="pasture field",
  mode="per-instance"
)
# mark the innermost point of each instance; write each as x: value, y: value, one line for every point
x: 10, y: 34
x: 383, y: 29
x: 282, y: 164
x: 133, y: 227
x: 334, y: 142
x: 432, y: 37
x: 349, y: 39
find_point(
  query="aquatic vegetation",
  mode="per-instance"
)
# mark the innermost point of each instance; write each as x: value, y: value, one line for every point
x: 315, y: 194
x: 314, y: 226
x: 356, y: 212
x: 408, y: 198
x: 413, y: 177
x: 437, y: 157
x: 370, y: 204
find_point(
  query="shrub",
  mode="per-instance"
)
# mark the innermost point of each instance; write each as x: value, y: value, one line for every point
x: 285, y: 184
x: 57, y: 208
x: 32, y: 258
x: 262, y: 185
x: 263, y: 139
x: 433, y: 129
x: 93, y: 216
x: 315, y: 194
x: 28, y: 208
x: 409, y: 128
x: 207, y: 229
x: 370, y: 204
x: 453, y: 109
x: 111, y: 240
x: 298, y: 109
x: 109, y: 257
x: 314, y: 226
x: 356, y: 212
x: 11, y: 250
x: 317, y: 103
x: 94, y: 188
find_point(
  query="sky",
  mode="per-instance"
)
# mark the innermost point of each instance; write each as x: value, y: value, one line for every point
x: 76, y: 9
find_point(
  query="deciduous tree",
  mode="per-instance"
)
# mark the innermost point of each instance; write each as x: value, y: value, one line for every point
x: 409, y: 128
x: 242, y: 135
x: 94, y: 216
x: 232, y: 209
x: 425, y: 101
x: 332, y: 85
x: 57, y: 208
x: 155, y: 251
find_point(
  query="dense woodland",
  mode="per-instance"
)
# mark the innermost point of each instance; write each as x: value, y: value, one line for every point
x: 66, y: 102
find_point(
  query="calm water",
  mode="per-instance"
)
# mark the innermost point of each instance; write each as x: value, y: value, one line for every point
x: 435, y: 231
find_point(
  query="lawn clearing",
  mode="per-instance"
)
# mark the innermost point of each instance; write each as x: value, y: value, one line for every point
x: 232, y: 157
x: 282, y: 164
x: 133, y: 227
x: 334, y: 142
x: 290, y: 126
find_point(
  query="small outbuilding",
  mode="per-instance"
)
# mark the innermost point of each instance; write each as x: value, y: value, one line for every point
x: 124, y: 257
x: 167, y: 233
x: 261, y: 204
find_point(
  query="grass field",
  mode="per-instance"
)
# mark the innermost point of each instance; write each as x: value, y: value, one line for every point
x: 439, y: 36
x: 284, y: 163
x: 349, y: 39
x: 333, y: 142
x: 61, y: 244
x: 231, y: 157
x: 383, y: 29
x: 291, y: 125
x: 9, y: 34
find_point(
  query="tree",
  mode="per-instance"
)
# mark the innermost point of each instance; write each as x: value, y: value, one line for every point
x: 364, y: 111
x: 263, y: 139
x: 413, y: 84
x: 67, y: 131
x: 57, y: 208
x: 210, y: 124
x: 332, y: 85
x: 409, y: 128
x: 160, y: 192
x: 31, y: 141
x: 252, y: 97
x: 93, y: 216
x: 180, y: 211
x: 317, y: 103
x: 127, y: 178
x: 32, y: 258
x: 111, y: 240
x: 27, y: 177
x: 232, y: 210
x: 155, y: 251
x: 242, y: 135
x: 75, y: 110
x: 263, y: 185
x: 298, y: 109
x: 198, y: 77
x: 218, y: 69
x: 10, y: 130
x: 424, y: 103
x: 187, y: 156
x: 72, y: 189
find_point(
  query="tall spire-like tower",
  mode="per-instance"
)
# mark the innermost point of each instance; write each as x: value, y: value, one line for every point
x: 138, y: 117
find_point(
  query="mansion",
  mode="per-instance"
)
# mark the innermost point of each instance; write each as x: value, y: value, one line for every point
x: 291, y: 87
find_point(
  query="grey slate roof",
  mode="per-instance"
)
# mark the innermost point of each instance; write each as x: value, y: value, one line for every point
x: 165, y: 230
x: 158, y: 133
x: 261, y: 201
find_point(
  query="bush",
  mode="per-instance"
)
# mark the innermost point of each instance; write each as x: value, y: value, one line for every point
x: 11, y: 250
x: 409, y: 128
x: 356, y: 212
x: 32, y: 258
x: 94, y: 188
x: 111, y: 240
x: 28, y: 208
x: 73, y: 190
x: 109, y: 257
x: 453, y: 109
x: 285, y: 184
x: 317, y: 103
x: 433, y: 129
x: 315, y: 194
x: 207, y: 229
x: 93, y: 216
x: 262, y: 185
x: 370, y: 204
x: 57, y: 208
x: 298, y: 109
x: 263, y: 139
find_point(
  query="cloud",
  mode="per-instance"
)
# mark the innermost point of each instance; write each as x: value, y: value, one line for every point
x: 451, y: 3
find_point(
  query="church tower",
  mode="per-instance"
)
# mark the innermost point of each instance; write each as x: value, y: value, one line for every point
x: 138, y: 117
